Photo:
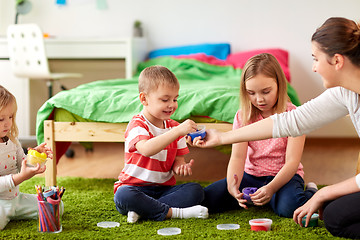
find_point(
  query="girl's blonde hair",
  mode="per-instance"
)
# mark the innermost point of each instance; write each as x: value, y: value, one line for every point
x: 152, y: 77
x: 6, y: 98
x: 267, y: 65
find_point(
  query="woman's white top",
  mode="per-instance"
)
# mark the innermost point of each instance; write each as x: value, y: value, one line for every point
x: 331, y: 105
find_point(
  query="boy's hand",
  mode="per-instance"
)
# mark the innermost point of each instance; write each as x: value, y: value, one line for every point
x: 182, y: 168
x: 186, y: 127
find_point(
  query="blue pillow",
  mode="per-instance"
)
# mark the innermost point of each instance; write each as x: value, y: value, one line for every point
x: 218, y: 50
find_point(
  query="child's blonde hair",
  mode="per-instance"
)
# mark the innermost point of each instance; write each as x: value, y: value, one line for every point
x: 6, y: 98
x: 152, y: 77
x: 267, y: 65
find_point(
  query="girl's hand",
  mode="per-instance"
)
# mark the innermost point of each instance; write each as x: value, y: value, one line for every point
x: 186, y: 127
x: 43, y: 148
x: 235, y: 192
x: 310, y: 207
x: 212, y: 139
x: 262, y: 196
x: 27, y: 172
x: 183, y: 169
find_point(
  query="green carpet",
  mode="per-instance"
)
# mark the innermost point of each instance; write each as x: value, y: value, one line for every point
x: 89, y: 201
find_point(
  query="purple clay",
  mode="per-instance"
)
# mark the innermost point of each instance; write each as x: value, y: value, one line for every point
x: 247, y: 191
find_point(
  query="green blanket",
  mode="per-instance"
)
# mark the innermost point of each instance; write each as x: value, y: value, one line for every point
x: 205, y: 90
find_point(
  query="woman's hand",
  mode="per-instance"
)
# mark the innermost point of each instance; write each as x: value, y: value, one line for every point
x: 212, y: 139
x: 233, y: 188
x: 309, y: 208
x: 262, y: 196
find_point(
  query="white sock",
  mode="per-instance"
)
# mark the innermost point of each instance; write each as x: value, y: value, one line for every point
x: 132, y: 217
x: 311, y: 185
x: 197, y: 211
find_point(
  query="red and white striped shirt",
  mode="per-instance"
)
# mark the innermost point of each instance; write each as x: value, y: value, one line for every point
x: 154, y: 170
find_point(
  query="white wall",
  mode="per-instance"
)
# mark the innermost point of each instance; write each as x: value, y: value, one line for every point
x: 246, y: 24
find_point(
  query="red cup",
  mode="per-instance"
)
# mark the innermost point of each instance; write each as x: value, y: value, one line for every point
x: 260, y: 224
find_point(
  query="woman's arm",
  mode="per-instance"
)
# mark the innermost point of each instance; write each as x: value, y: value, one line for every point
x: 235, y: 171
x: 256, y: 131
x: 294, y: 150
x: 326, y: 108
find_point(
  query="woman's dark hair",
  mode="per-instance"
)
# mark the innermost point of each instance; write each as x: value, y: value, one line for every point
x: 339, y: 35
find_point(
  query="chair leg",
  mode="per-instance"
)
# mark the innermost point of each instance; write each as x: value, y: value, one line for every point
x: 49, y: 84
x: 51, y: 168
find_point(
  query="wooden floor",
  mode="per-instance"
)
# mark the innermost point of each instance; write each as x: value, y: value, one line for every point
x: 326, y: 161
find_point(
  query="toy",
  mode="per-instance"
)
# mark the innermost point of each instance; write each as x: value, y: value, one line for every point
x: 200, y: 132
x: 108, y: 224
x: 34, y: 157
x: 169, y: 231
x: 260, y: 224
x: 247, y: 191
x: 313, y: 220
x: 228, y: 226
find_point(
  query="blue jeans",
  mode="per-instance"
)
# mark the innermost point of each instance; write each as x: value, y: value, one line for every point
x: 153, y: 202
x: 284, y: 202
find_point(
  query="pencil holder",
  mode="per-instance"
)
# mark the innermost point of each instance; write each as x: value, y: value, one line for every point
x: 49, y: 215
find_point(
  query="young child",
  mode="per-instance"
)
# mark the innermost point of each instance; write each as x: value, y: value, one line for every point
x: 14, y: 205
x: 273, y: 166
x: 154, y: 150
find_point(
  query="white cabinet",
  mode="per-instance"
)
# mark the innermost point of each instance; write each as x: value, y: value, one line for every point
x: 132, y: 50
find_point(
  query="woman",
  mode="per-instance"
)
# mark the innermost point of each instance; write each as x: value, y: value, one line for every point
x: 336, y: 52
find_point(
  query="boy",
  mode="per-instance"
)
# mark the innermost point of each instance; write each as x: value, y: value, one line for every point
x: 154, y: 150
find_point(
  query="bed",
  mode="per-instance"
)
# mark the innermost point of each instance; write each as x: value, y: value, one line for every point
x: 99, y: 111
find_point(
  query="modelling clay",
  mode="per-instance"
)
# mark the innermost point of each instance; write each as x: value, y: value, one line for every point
x: 34, y: 157
x: 247, y: 191
x: 313, y: 220
x: 260, y: 224
x: 200, y: 132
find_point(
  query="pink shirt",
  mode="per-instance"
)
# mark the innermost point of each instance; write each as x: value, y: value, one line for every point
x: 266, y: 157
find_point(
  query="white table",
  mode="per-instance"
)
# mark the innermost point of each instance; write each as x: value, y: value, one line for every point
x: 132, y: 50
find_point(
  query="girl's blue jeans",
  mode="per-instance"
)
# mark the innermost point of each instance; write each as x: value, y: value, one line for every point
x: 153, y: 202
x: 284, y: 202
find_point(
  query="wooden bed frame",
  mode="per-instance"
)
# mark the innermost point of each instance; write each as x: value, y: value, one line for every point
x: 96, y: 132
x: 90, y: 132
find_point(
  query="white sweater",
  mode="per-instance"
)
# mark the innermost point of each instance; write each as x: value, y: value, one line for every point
x: 331, y: 105
x: 11, y: 157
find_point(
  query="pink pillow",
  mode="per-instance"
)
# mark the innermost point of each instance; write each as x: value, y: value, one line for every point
x: 238, y: 60
x: 202, y: 57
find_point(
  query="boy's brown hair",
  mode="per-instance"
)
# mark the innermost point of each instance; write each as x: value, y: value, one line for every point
x: 152, y: 77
